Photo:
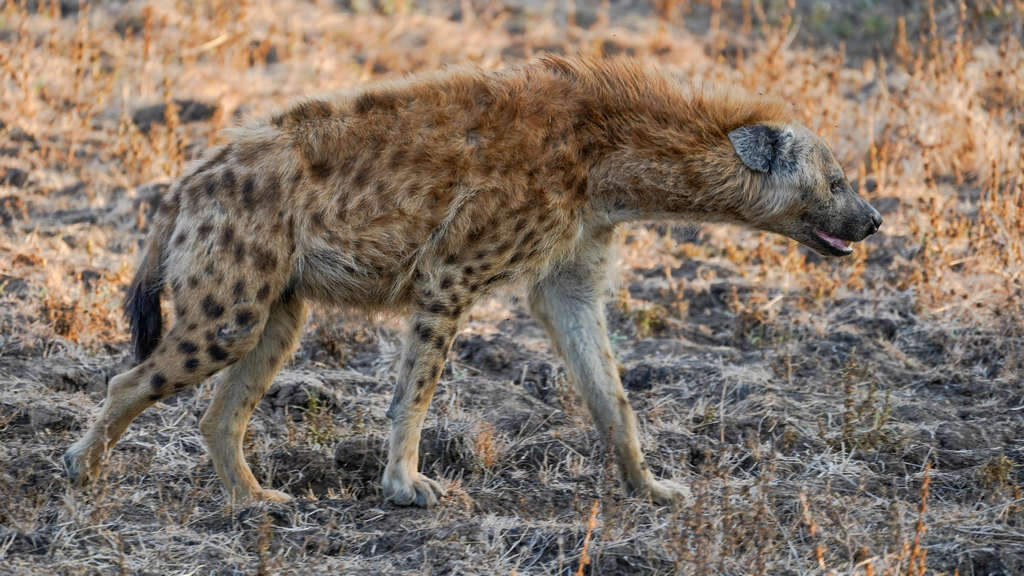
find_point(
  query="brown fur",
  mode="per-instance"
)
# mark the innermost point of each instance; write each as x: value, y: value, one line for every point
x: 423, y: 195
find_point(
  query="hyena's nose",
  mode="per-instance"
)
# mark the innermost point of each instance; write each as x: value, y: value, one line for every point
x: 876, y: 220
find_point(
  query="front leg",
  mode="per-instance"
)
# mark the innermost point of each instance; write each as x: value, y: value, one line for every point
x: 426, y: 346
x: 568, y: 303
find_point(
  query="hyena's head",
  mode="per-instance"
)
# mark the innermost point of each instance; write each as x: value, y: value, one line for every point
x: 801, y: 188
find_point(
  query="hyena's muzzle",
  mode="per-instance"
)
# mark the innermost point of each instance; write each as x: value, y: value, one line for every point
x: 852, y: 219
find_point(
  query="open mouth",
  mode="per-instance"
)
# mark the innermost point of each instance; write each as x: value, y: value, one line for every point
x: 838, y: 246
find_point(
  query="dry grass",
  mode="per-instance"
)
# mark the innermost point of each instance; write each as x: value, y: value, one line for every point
x: 859, y: 417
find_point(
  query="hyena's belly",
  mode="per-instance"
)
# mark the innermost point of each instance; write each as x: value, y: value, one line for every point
x: 364, y: 267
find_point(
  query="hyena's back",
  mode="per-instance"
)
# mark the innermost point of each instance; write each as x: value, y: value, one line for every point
x: 347, y: 199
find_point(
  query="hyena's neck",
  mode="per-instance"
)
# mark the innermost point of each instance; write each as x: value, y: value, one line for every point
x: 699, y: 186
x: 668, y: 155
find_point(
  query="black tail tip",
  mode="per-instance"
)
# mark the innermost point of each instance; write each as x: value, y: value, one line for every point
x: 142, y: 307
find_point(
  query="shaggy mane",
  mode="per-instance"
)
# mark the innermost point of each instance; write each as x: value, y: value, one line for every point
x: 638, y: 89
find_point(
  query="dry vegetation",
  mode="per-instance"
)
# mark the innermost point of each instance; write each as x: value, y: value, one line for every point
x: 854, y: 417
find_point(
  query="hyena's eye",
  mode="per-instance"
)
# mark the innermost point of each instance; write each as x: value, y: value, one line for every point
x: 836, y: 186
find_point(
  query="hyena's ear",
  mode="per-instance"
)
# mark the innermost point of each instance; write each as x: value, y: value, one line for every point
x: 762, y: 148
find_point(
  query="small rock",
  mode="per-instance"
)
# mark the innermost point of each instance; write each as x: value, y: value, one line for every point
x: 45, y: 417
x: 611, y: 48
x: 12, y: 285
x: 13, y: 177
x: 130, y: 24
x: 188, y: 111
x: 89, y: 279
x: 541, y: 380
x: 645, y: 376
x: 297, y: 392
x: 67, y: 7
x: 497, y: 354
x: 19, y: 135
x: 886, y: 205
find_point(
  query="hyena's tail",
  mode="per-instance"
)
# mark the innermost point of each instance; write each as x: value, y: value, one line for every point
x: 142, y: 303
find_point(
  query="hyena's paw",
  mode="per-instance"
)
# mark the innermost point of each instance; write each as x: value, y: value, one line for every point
x: 665, y: 492
x: 272, y: 495
x: 81, y: 464
x: 244, y: 496
x: 413, y: 489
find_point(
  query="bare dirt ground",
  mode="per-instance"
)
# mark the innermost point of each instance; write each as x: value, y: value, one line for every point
x: 864, y: 416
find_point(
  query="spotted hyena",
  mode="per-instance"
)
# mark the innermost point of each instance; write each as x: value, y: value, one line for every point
x: 426, y: 194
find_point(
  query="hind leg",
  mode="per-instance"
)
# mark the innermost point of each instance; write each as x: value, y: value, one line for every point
x: 223, y: 426
x: 207, y: 337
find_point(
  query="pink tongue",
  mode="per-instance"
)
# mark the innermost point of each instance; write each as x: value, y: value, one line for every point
x: 837, y: 242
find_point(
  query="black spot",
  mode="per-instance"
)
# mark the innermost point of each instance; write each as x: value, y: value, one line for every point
x: 424, y: 332
x: 217, y: 353
x: 264, y: 259
x: 192, y: 326
x: 247, y: 190
x: 239, y: 252
x: 515, y: 258
x: 581, y: 186
x: 468, y: 270
x: 211, y: 307
x: 191, y: 364
x: 369, y: 100
x: 204, y: 231
x: 228, y: 180
x: 440, y: 342
x: 361, y: 177
x: 226, y: 236
x: 244, y: 317
x: 435, y: 371
x: 158, y: 381
x: 446, y: 282
x: 193, y: 281
x: 208, y: 269
x: 155, y: 397
x: 321, y: 170
x: 436, y: 307
x: 264, y: 292
x: 187, y: 347
x: 239, y: 289
x: 210, y: 336
x: 450, y: 259
x: 180, y: 238
x: 421, y: 383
